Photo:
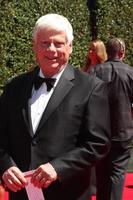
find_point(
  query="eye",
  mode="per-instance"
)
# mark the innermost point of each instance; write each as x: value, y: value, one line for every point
x: 58, y: 44
x: 45, y: 44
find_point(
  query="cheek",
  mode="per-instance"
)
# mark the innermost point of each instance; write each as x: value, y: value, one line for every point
x: 65, y: 56
x: 66, y: 53
x: 40, y: 54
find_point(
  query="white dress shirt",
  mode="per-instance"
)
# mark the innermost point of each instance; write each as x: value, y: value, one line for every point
x: 39, y: 100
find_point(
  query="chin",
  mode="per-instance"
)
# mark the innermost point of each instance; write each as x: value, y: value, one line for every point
x: 54, y: 65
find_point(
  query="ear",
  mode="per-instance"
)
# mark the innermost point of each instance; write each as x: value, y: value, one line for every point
x: 70, y: 48
x: 121, y: 54
x: 33, y: 46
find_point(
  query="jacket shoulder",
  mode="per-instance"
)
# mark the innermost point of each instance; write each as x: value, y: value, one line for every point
x: 89, y: 79
x: 21, y: 79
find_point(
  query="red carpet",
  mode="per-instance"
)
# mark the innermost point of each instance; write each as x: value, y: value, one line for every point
x: 128, y: 189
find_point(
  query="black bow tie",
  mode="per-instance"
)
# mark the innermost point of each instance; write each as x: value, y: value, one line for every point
x: 49, y: 82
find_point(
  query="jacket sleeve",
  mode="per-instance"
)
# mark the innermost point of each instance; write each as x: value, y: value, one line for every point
x: 5, y: 160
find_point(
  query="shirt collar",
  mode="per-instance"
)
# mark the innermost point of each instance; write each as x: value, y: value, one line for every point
x: 57, y: 76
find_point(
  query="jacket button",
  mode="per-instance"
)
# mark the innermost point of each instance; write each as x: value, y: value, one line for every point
x: 34, y: 143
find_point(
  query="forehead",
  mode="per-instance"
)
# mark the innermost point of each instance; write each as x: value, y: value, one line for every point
x: 50, y: 33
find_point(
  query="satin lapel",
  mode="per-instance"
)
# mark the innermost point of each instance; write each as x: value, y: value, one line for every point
x: 26, y: 115
x: 26, y: 98
x: 62, y: 89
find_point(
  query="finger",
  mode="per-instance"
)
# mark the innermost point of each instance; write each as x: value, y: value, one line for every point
x: 17, y: 181
x: 42, y: 182
x: 36, y: 180
x: 20, y: 177
x: 11, y: 180
x: 47, y: 183
x: 12, y: 177
x: 37, y: 176
x: 12, y: 186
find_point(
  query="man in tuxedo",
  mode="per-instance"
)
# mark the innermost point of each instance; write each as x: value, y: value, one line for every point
x: 119, y: 76
x: 54, y: 120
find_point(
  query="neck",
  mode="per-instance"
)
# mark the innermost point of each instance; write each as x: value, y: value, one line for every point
x: 94, y: 62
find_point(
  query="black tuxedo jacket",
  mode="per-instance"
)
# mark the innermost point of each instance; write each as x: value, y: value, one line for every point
x: 73, y: 133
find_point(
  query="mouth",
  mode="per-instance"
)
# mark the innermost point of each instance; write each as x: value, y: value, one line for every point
x: 52, y: 59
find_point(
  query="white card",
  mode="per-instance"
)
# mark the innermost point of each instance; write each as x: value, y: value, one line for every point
x: 34, y: 193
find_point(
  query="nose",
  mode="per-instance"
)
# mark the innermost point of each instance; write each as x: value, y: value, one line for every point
x: 51, y: 47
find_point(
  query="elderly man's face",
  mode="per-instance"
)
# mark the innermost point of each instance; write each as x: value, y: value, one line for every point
x: 52, y: 50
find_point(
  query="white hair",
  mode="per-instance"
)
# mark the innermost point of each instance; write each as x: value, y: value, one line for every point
x: 55, y: 21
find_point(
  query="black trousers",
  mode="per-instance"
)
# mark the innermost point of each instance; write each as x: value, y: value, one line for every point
x: 110, y: 174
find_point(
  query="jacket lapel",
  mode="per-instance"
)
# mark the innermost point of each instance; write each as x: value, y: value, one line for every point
x: 26, y: 96
x: 27, y: 118
x: 62, y: 89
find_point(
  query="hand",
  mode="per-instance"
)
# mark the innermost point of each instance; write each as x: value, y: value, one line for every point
x: 43, y: 176
x: 14, y: 179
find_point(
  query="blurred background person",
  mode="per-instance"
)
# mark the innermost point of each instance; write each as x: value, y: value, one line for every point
x: 96, y: 55
x: 110, y: 171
